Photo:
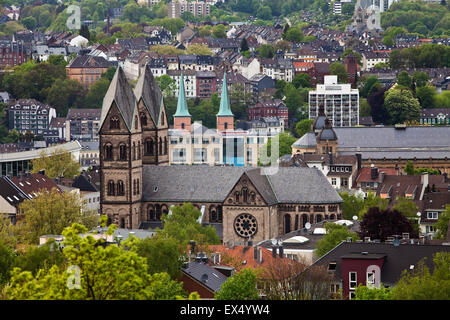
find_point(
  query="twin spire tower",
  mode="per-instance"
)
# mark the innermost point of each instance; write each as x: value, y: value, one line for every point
x: 182, y: 118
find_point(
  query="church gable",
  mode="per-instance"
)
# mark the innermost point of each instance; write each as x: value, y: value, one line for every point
x: 245, y: 193
x: 114, y: 122
x: 146, y: 120
x: 162, y: 119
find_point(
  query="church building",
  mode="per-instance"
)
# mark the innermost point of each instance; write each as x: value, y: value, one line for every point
x: 242, y: 203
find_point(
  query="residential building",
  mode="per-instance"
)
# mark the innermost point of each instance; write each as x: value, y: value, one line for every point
x: 83, y: 124
x: 435, y: 116
x: 375, y: 264
x: 260, y: 82
x: 190, y: 81
x: 278, y: 69
x: 12, y: 53
x: 206, y: 83
x: 339, y: 102
x: 30, y: 115
x: 89, y: 154
x: 197, y: 8
x: 59, y: 124
x: 269, y: 108
x: 87, y: 69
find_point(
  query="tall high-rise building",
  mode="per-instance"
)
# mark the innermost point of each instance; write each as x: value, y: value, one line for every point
x: 339, y: 102
x: 197, y: 8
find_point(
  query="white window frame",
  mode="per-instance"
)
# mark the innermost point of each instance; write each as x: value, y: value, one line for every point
x: 350, y: 281
x: 370, y: 284
x: 432, y: 215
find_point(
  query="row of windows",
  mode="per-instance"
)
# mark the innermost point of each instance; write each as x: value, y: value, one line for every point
x: 117, y: 189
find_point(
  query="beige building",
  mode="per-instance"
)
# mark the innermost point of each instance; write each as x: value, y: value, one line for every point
x: 197, y: 8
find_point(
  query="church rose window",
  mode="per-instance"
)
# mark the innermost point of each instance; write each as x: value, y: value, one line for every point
x: 245, y: 225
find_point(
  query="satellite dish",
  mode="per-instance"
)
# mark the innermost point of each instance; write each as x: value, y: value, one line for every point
x: 308, y: 225
x: 355, y: 218
x: 274, y: 242
x: 419, y: 214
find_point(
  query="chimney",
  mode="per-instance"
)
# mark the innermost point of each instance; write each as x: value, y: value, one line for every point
x: 373, y: 172
x: 359, y: 160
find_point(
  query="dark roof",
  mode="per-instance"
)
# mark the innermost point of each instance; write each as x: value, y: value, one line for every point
x: 213, y: 184
x: 204, y: 274
x: 397, y: 258
x: 121, y: 93
x: 87, y: 61
x: 148, y: 89
x: 10, y: 193
x: 32, y: 184
x: 85, y: 114
x: 83, y: 183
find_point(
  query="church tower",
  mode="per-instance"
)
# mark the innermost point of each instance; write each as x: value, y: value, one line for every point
x: 225, y: 118
x: 120, y: 154
x: 182, y: 118
x: 153, y: 119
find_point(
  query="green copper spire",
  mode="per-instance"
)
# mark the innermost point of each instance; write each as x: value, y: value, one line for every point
x: 225, y: 109
x: 182, y: 109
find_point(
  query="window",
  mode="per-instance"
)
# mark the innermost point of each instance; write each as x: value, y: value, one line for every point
x: 432, y: 215
x: 352, y: 295
x: 108, y: 152
x: 370, y: 281
x: 136, y: 125
x: 149, y: 147
x: 352, y: 280
x: 334, y: 288
x: 114, y: 123
x: 120, y: 189
x: 122, y: 152
x: 344, y: 182
x: 332, y: 266
x: 111, y: 188
x: 333, y: 181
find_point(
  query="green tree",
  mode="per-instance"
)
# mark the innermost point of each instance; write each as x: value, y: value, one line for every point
x: 335, y: 233
x: 51, y: 211
x: 166, y: 84
x: 7, y: 262
x: 372, y: 200
x: 365, y: 293
x: 304, y: 126
x: 285, y: 141
x: 9, y: 233
x: 409, y: 168
x: 183, y: 226
x: 402, y: 106
x: 65, y: 94
x: 266, y: 51
x: 301, y: 80
x: 364, y: 108
x: 162, y: 254
x: 294, y: 34
x: 352, y: 205
x: 244, y: 45
x: 426, y: 96
x: 94, y: 97
x: 199, y: 49
x: 368, y: 84
x: 422, y: 284
x: 106, y: 273
x: 404, y: 79
x: 43, y: 257
x: 219, y: 31
x: 442, y: 223
x: 338, y: 69
x: 420, y: 78
x: 240, y: 286
x: 29, y: 22
x: 59, y: 163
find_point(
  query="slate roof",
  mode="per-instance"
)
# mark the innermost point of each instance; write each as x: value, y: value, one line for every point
x: 307, y: 140
x: 392, y: 143
x: 397, y: 258
x: 87, y: 61
x: 213, y: 184
x: 121, y: 92
x: 206, y: 275
x: 148, y: 89
x: 10, y: 193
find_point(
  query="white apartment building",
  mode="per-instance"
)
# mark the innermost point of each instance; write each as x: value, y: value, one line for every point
x: 339, y: 102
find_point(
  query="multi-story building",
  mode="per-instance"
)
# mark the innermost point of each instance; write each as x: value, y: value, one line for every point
x: 30, y: 115
x: 278, y: 69
x: 206, y: 83
x: 12, y: 53
x: 339, y: 102
x: 87, y: 69
x: 83, y: 124
x: 190, y: 82
x: 269, y: 108
x: 158, y: 67
x: 197, y: 8
x: 435, y: 116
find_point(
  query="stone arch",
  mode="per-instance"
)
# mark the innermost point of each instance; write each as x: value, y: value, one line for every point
x: 111, y: 188
x: 213, y: 217
x: 332, y: 217
x: 149, y: 147
x: 319, y: 218
x: 164, y: 209
x: 304, y: 220
x: 120, y: 188
x: 151, y: 214
x: 158, y: 212
x: 108, y: 151
x: 287, y: 223
x: 122, y: 152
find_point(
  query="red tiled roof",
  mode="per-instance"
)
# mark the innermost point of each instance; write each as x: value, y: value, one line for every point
x: 32, y: 185
x: 303, y: 65
x: 235, y: 257
x: 364, y: 174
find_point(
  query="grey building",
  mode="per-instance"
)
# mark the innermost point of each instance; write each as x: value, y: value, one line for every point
x: 83, y: 124
x: 30, y: 115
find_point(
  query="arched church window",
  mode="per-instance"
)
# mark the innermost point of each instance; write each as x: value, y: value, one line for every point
x: 114, y: 123
x: 136, y: 125
x: 143, y: 119
x: 160, y: 145
x: 120, y: 189
x: 111, y: 188
x: 245, y: 195
x: 165, y: 145
x: 236, y: 196
x: 139, y: 150
x: 122, y: 152
x: 108, y: 151
x: 149, y: 147
x: 134, y: 150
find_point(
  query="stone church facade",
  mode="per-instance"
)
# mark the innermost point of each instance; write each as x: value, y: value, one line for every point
x: 242, y: 203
